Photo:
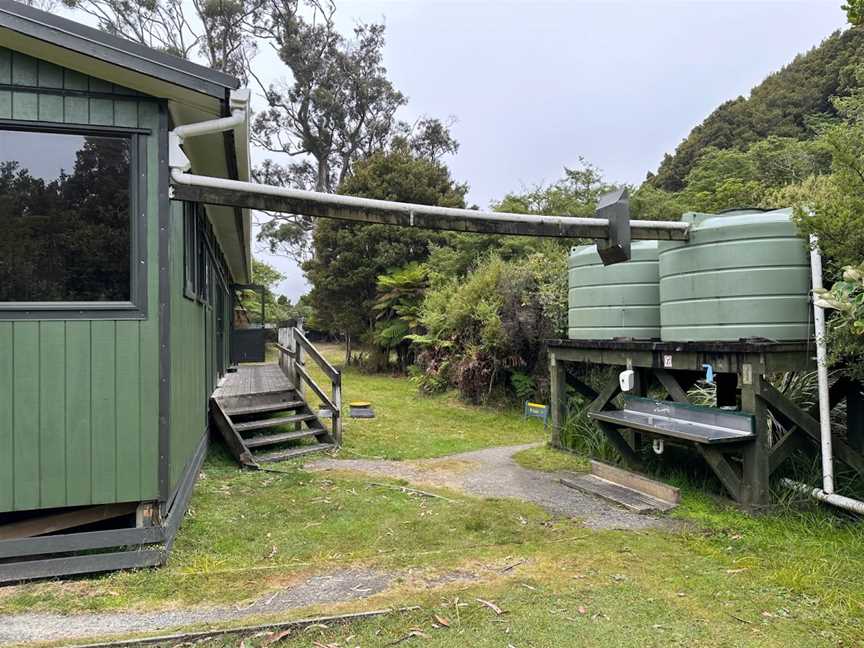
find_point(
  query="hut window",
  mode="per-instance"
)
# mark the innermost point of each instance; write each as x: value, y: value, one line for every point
x: 190, y: 249
x: 65, y: 214
x: 195, y: 253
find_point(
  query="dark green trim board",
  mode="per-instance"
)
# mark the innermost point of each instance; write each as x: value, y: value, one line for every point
x: 164, y: 311
x: 84, y: 564
x: 79, y: 541
x: 180, y: 502
x: 71, y: 128
x: 68, y: 92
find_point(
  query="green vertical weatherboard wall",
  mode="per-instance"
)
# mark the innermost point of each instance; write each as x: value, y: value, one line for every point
x: 79, y: 399
x: 194, y: 371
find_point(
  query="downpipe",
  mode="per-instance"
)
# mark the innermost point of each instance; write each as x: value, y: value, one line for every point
x: 239, y: 105
x: 826, y: 493
x: 238, y: 116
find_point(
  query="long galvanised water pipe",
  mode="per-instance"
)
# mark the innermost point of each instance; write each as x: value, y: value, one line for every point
x: 237, y: 193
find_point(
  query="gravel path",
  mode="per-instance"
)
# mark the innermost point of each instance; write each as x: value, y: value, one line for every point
x: 492, y: 472
x: 335, y: 587
x: 487, y: 473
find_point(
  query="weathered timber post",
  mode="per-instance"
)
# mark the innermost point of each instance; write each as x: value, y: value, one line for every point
x: 757, y: 467
x: 558, y: 389
x: 337, y: 407
x: 299, y: 362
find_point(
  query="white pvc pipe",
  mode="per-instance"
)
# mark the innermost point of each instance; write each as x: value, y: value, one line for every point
x: 822, y: 370
x: 826, y: 493
x: 337, y: 200
x: 856, y: 506
x: 211, y: 126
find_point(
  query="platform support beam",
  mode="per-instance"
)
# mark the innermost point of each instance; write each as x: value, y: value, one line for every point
x: 558, y: 388
x: 755, y: 491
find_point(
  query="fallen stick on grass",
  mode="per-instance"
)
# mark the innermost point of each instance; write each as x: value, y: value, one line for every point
x: 412, y: 490
x: 247, y: 630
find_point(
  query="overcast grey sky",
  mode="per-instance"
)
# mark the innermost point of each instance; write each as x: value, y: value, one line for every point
x: 534, y: 85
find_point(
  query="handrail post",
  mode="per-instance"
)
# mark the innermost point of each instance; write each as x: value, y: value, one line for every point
x: 337, y: 414
x: 298, y: 361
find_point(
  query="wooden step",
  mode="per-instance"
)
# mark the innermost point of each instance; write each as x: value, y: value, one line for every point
x: 626, y: 497
x: 273, y: 439
x: 273, y: 422
x: 264, y: 409
x: 282, y: 455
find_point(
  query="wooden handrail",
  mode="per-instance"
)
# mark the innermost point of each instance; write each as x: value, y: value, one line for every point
x: 315, y: 387
x: 296, y: 370
x: 289, y: 352
x: 326, y: 367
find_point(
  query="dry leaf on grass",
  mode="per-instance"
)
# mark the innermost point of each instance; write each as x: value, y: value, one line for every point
x: 442, y: 621
x: 275, y: 637
x: 491, y: 606
x: 414, y: 632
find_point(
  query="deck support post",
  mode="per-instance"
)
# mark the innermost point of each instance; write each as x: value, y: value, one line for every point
x: 755, y: 492
x: 558, y: 388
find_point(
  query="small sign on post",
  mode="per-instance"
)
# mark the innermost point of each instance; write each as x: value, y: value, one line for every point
x: 536, y: 410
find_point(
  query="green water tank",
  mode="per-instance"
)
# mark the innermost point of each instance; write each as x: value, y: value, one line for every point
x: 741, y: 275
x: 621, y: 300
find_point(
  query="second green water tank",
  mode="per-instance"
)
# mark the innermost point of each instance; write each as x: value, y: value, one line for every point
x: 617, y: 301
x: 742, y: 275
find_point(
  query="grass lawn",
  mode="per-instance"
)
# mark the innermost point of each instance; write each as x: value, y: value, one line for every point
x: 410, y: 426
x: 726, y: 580
x: 549, y: 460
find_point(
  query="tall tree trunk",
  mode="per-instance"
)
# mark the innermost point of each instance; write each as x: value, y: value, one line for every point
x: 322, y: 180
x: 347, y: 349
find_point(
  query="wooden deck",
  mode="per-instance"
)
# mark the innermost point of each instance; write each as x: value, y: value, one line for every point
x: 253, y: 379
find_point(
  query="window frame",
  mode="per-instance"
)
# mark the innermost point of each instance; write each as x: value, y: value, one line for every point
x: 202, y: 263
x: 136, y: 307
x: 190, y: 250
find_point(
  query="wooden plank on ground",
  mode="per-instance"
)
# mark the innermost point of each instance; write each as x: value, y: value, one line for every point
x: 66, y: 520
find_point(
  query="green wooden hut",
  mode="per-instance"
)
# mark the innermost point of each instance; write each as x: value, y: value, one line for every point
x: 114, y: 299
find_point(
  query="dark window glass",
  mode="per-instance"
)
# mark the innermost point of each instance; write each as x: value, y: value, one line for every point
x: 64, y: 217
x: 190, y: 227
x: 202, y: 259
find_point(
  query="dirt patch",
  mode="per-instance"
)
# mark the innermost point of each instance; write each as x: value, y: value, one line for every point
x: 492, y: 472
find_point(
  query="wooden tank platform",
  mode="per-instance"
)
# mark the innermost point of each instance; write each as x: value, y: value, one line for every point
x: 741, y: 371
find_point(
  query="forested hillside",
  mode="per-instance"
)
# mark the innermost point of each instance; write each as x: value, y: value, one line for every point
x: 780, y: 106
